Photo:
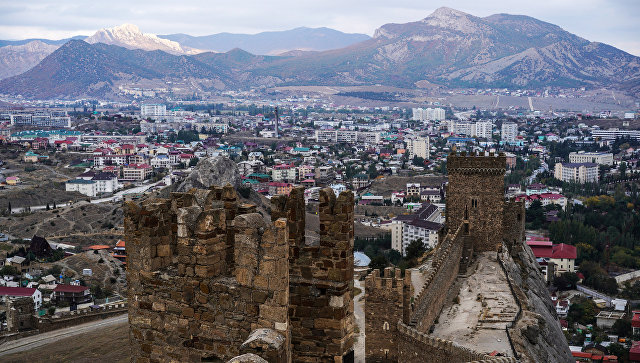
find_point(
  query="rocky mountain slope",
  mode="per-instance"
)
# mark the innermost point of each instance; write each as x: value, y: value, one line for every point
x: 78, y: 68
x: 271, y: 43
x: 15, y: 59
x: 448, y: 48
x: 129, y: 36
x: 453, y: 48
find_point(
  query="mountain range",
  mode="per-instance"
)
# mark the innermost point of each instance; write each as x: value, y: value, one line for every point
x: 449, y: 48
x: 271, y: 43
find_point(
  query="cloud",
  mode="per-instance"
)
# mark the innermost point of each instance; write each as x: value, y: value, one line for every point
x: 609, y: 21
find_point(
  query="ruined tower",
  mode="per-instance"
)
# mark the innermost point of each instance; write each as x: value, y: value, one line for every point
x: 209, y: 279
x: 388, y: 301
x: 320, y: 277
x: 476, y: 193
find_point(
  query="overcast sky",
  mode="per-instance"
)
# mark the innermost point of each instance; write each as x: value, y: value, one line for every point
x: 615, y: 22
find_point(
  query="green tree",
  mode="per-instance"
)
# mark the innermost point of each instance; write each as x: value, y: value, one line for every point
x: 415, y: 249
x: 379, y: 262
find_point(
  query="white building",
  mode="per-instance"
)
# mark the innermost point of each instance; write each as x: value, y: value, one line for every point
x: 9, y: 293
x: 577, y: 172
x: 418, y: 147
x: 153, y: 111
x: 509, y: 132
x: 428, y: 114
x: 105, y: 182
x: 591, y: 157
x: 424, y: 224
x: 484, y: 129
x: 86, y: 187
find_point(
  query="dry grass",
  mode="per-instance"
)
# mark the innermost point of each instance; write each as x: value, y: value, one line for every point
x: 110, y: 344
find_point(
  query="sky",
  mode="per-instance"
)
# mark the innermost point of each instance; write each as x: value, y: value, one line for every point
x: 615, y: 22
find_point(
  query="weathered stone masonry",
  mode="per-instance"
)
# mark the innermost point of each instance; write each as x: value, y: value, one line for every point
x: 478, y: 219
x: 209, y: 279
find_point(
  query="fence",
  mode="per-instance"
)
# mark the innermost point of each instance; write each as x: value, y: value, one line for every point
x: 594, y: 294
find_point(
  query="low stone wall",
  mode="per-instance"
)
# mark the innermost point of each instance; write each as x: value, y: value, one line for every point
x: 49, y: 324
x: 439, y: 278
x: 413, y: 347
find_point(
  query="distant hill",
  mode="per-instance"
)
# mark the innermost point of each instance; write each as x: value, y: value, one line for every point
x: 78, y: 68
x: 15, y: 59
x: 448, y: 48
x: 271, y: 43
x: 453, y: 48
x: 4, y: 43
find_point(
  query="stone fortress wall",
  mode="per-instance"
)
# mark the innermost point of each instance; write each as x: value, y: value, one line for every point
x: 209, y: 279
x: 478, y: 219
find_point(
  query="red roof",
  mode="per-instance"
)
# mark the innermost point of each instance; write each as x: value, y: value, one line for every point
x: 120, y: 243
x: 564, y: 251
x: 70, y: 288
x: 99, y: 247
x: 541, y: 249
x: 16, y: 291
x: 635, y: 322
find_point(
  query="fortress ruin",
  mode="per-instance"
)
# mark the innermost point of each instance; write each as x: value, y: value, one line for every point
x: 211, y: 280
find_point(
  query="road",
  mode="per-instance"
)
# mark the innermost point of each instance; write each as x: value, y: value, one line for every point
x: 116, y: 196
x: 31, y: 342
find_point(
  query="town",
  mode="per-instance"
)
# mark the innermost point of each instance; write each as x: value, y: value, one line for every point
x: 65, y: 173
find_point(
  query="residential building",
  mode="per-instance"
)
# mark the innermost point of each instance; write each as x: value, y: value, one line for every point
x: 591, y: 157
x: 153, y: 111
x: 360, y: 181
x: 324, y: 175
x: 71, y: 294
x: 283, y: 173
x: 484, y: 129
x: 137, y: 171
x: 509, y: 132
x: 86, y: 187
x: 9, y: 293
x: 577, y: 172
x: 105, y: 182
x: 423, y: 224
x: 545, y: 199
x: 418, y: 147
x: 276, y: 188
x: 564, y: 257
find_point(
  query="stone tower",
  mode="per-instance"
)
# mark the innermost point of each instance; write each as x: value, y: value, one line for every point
x: 388, y: 300
x: 320, y: 277
x: 476, y: 193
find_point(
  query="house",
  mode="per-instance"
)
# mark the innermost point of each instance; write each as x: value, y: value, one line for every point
x: 82, y: 186
x: 137, y: 171
x: 105, y: 182
x: 18, y: 292
x: 635, y: 323
x: 19, y: 262
x: 606, y: 319
x: 71, y: 294
x: 432, y: 196
x: 119, y: 251
x: 30, y: 157
x: 564, y: 257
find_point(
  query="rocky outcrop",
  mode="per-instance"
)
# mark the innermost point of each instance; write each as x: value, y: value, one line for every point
x: 211, y: 171
x: 536, y: 335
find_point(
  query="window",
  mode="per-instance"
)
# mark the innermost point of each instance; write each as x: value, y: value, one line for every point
x: 385, y: 326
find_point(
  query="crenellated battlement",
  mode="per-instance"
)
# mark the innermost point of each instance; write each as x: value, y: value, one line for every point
x: 464, y: 163
x: 439, y: 350
x: 390, y: 282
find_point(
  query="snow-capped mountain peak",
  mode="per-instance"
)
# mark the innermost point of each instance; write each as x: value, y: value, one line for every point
x: 130, y: 36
